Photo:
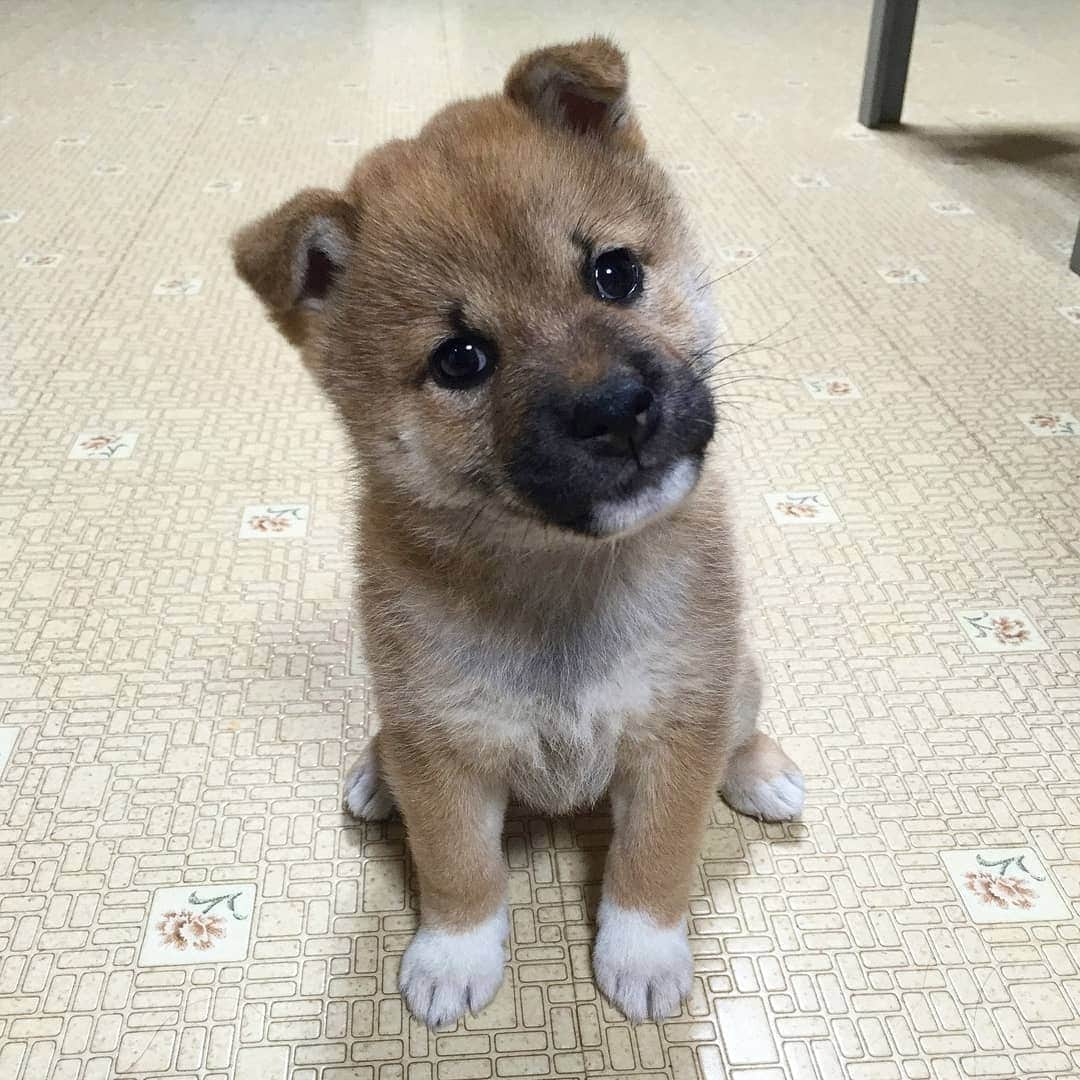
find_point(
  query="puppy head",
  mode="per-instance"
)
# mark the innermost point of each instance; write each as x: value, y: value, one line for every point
x: 505, y: 309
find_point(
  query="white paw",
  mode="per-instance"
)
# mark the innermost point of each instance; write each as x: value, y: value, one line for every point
x: 366, y: 795
x: 775, y: 798
x: 642, y: 968
x: 444, y: 974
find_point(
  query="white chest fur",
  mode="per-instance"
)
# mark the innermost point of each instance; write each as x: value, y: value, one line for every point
x: 549, y: 708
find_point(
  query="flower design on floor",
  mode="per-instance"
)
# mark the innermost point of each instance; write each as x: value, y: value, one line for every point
x: 34, y: 260
x: 187, y: 929
x: 178, y: 286
x: 831, y: 386
x: 1001, y: 630
x: 273, y: 520
x: 265, y: 523
x: 98, y: 442
x: 1007, y: 629
x: 1004, y: 885
x: 951, y: 208
x: 897, y: 275
x: 810, y: 180
x: 1051, y: 422
x: 800, y: 509
x: 106, y: 446
x: 198, y: 925
x: 738, y: 253
x: 1001, y: 889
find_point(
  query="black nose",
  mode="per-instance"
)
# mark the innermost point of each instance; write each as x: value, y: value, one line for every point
x: 620, y: 412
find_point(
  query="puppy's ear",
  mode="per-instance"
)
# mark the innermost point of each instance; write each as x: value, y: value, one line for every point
x: 582, y: 87
x: 295, y: 256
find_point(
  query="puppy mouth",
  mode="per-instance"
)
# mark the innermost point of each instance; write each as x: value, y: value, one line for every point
x: 657, y: 494
x: 606, y: 486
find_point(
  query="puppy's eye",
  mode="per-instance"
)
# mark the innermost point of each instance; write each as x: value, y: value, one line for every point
x: 461, y: 362
x: 616, y: 276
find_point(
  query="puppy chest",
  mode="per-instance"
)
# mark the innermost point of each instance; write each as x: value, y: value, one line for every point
x: 556, y: 741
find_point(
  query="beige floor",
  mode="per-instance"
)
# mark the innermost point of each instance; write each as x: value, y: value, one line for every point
x: 179, y: 692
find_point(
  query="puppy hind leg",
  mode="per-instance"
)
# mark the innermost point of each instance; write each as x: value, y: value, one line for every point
x: 762, y: 782
x: 367, y: 796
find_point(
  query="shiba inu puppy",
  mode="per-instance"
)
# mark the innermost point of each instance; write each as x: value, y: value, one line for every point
x: 507, y: 313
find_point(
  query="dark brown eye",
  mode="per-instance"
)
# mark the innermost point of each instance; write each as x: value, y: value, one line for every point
x: 616, y: 276
x: 462, y: 362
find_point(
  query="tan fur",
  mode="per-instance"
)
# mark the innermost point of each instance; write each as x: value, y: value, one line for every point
x: 511, y: 658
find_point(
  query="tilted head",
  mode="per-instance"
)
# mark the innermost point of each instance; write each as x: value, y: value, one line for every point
x: 505, y: 309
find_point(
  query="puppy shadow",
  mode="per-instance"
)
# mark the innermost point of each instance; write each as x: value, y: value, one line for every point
x: 1051, y: 151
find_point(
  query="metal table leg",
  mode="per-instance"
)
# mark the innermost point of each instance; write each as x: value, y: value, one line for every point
x: 891, y: 28
x: 1074, y: 262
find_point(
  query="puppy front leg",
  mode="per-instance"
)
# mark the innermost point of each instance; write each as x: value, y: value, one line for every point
x: 642, y: 958
x: 454, y: 820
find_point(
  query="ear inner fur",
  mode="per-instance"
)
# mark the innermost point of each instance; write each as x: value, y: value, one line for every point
x: 273, y: 255
x: 582, y: 87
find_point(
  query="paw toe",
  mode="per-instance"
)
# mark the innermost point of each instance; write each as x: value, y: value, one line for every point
x: 643, y: 969
x: 445, y: 974
x: 774, y: 798
x: 366, y: 796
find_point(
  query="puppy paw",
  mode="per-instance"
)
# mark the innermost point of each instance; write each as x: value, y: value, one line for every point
x: 366, y: 795
x: 445, y: 974
x: 763, y: 782
x: 644, y: 969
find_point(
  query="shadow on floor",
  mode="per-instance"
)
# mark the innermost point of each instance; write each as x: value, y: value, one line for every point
x: 1052, y: 151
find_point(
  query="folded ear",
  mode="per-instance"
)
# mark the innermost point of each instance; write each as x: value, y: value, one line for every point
x: 295, y: 256
x: 582, y: 87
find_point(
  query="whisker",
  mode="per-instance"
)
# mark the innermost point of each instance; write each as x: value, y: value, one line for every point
x: 741, y: 266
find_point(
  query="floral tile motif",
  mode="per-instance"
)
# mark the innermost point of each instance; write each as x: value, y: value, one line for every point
x: 274, y: 520
x: 9, y: 736
x: 67, y: 141
x: 155, y: 106
x: 223, y: 187
x: 120, y: 84
x: 1001, y: 630
x: 801, y: 508
x: 1003, y: 885
x: 9, y: 217
x: 747, y: 116
x: 957, y: 209
x: 810, y: 180
x: 36, y: 260
x: 106, y: 168
x: 97, y: 445
x: 738, y: 253
x: 1072, y: 313
x: 831, y: 387
x: 198, y: 924
x: 903, y: 275
x: 1050, y: 423
x: 253, y: 120
x: 178, y: 286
